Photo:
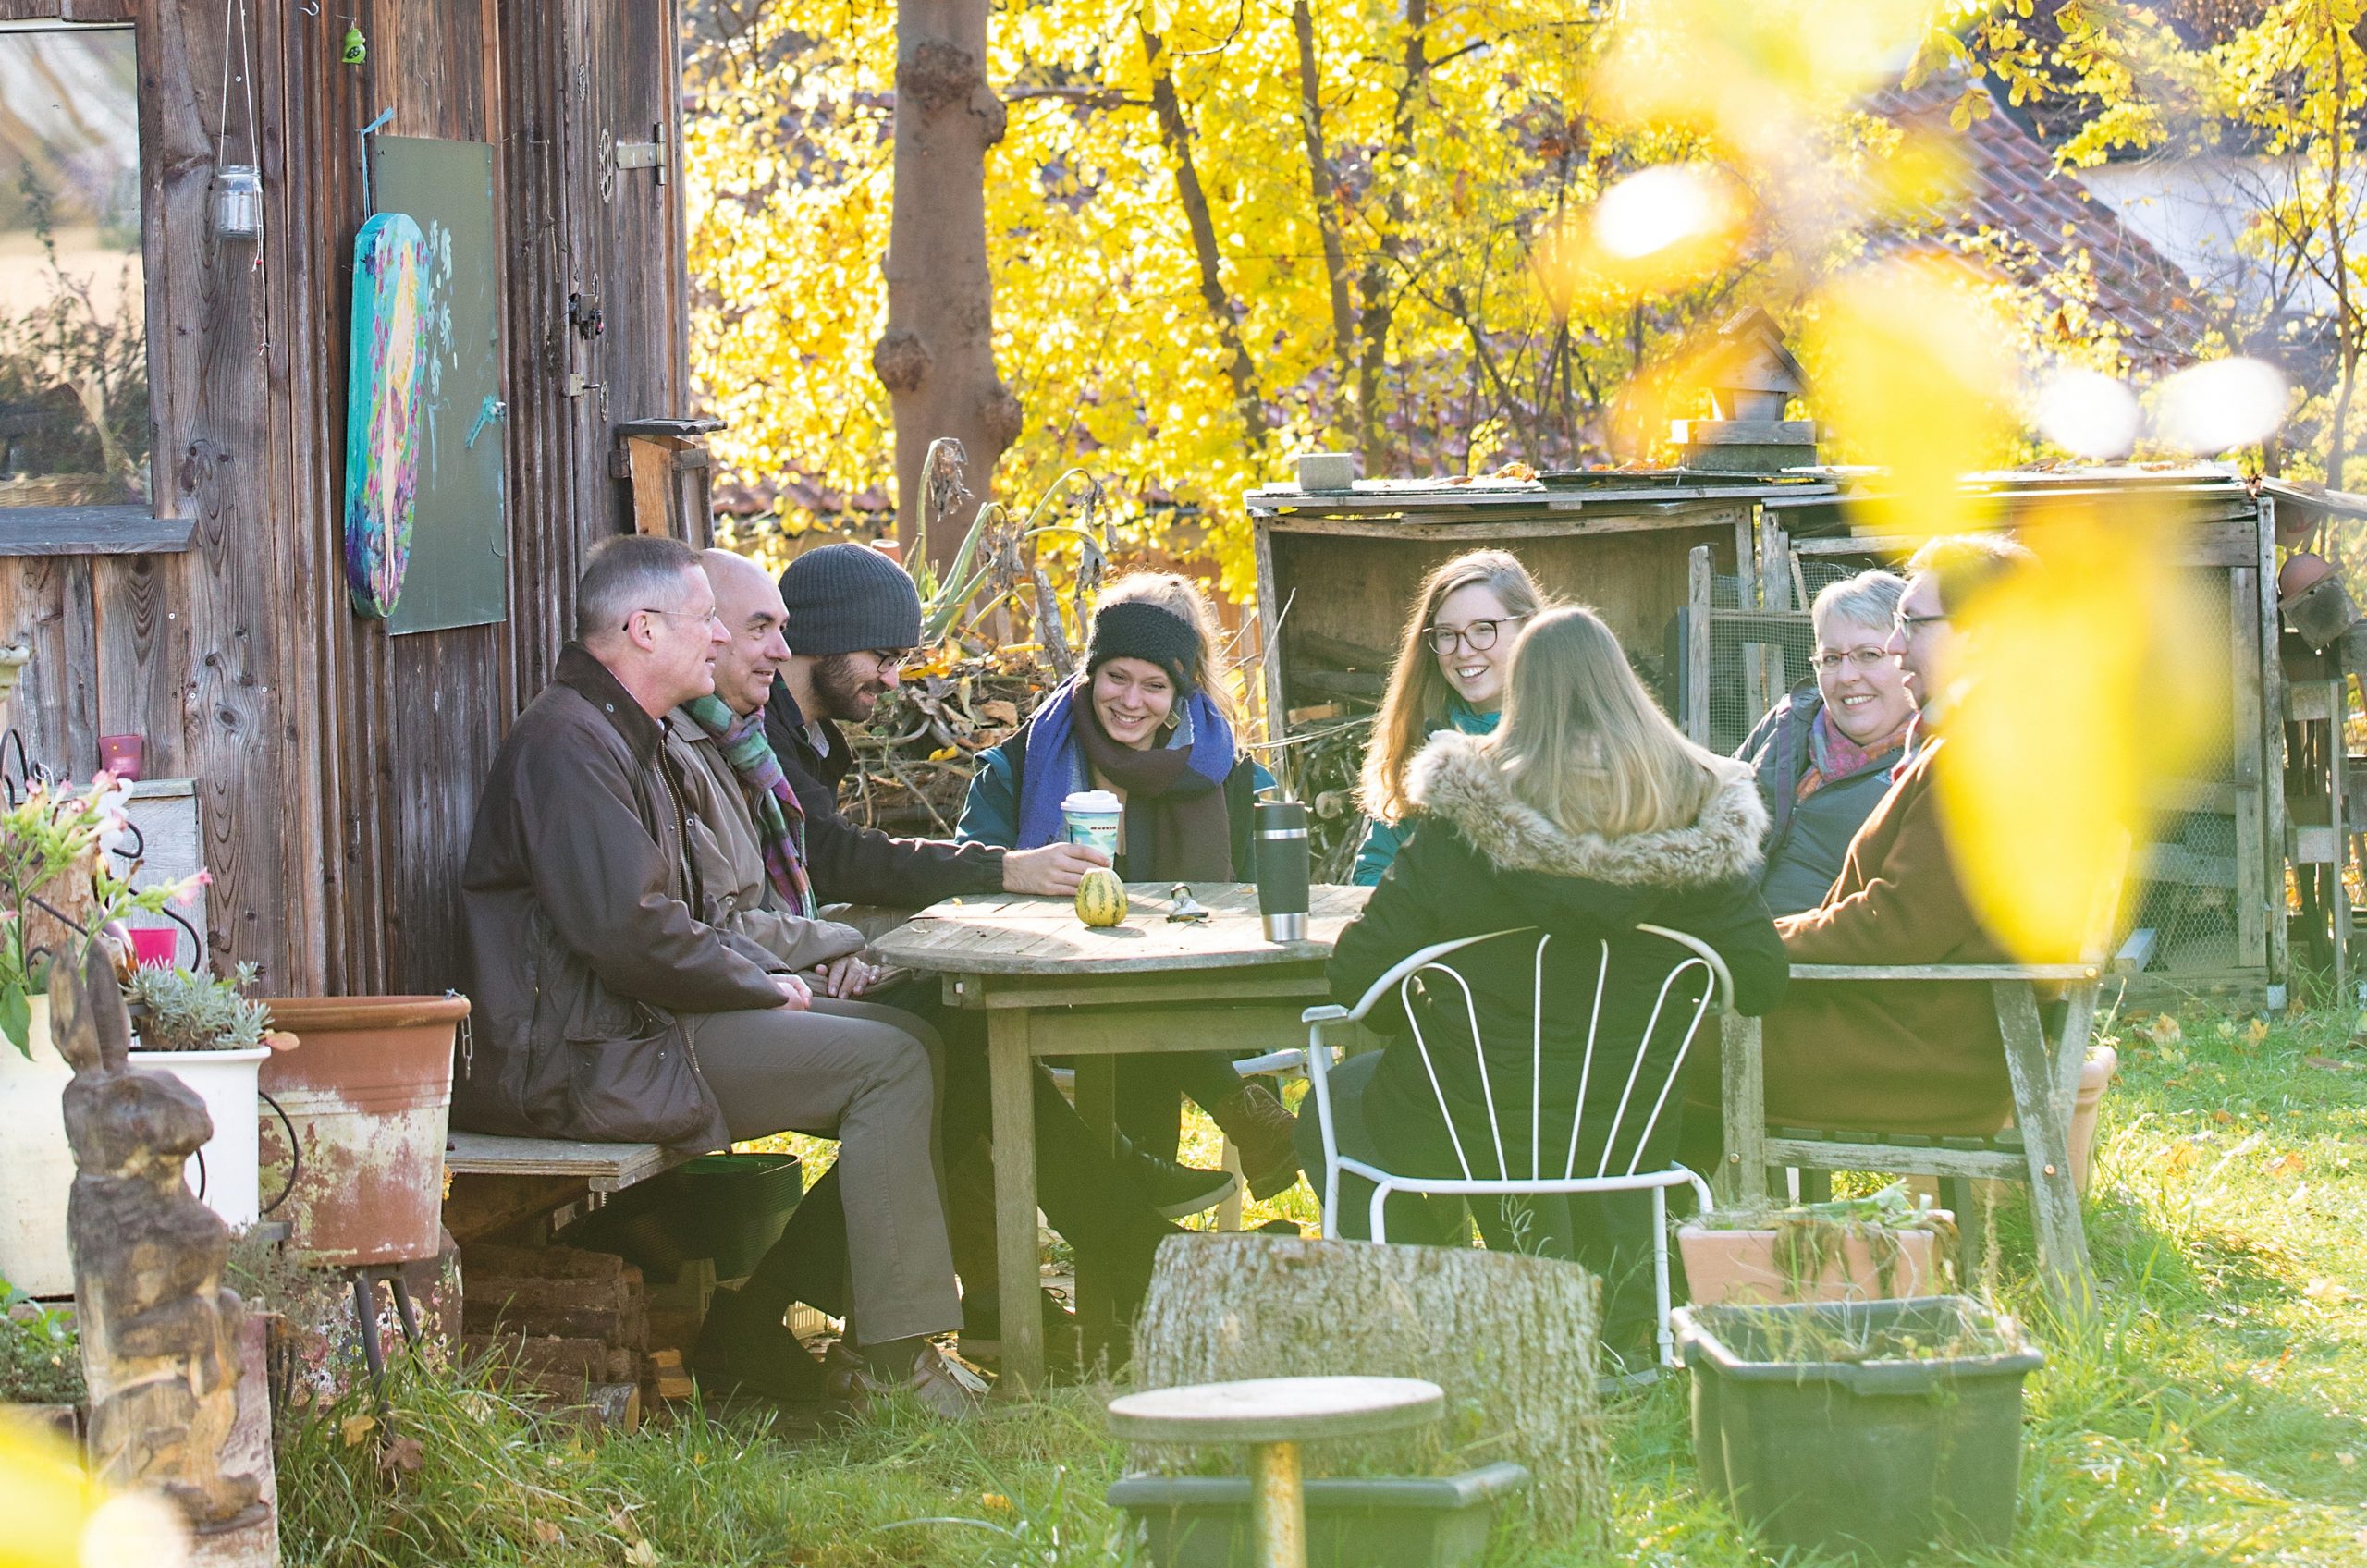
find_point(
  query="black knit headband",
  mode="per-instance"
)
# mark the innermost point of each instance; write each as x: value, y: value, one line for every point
x: 1136, y: 629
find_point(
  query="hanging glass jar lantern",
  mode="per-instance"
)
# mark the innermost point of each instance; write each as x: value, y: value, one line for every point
x: 238, y: 201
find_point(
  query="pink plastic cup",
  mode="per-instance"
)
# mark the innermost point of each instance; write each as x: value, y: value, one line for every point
x: 153, y: 947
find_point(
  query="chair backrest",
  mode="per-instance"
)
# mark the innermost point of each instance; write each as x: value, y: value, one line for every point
x: 1644, y: 1092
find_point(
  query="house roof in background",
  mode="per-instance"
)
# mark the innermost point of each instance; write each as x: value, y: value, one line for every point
x: 2016, y: 190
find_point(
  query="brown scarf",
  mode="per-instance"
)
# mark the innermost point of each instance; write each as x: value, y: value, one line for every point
x: 1177, y: 827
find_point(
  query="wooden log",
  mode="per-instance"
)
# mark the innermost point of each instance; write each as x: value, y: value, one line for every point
x: 1350, y: 684
x: 666, y: 1375
x: 1509, y: 1339
x: 545, y: 1353
x: 540, y: 1263
x: 609, y: 1310
x: 1320, y: 648
x: 483, y: 1206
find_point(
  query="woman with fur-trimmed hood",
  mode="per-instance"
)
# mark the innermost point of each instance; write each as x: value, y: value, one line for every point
x: 1586, y: 814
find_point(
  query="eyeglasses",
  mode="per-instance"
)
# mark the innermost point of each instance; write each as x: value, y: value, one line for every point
x: 1479, y: 636
x: 1908, y: 623
x: 1859, y: 660
x: 709, y: 616
x: 888, y: 662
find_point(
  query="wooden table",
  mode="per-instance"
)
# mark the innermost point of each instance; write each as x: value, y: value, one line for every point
x: 1051, y: 985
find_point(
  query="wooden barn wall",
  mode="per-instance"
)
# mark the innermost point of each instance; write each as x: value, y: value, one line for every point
x: 337, y: 768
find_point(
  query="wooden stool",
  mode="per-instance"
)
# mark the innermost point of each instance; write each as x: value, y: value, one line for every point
x: 1274, y: 1416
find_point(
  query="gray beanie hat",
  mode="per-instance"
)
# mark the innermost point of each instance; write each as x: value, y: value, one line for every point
x: 845, y: 598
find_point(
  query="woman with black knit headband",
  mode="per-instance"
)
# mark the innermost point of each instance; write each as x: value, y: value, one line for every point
x: 1149, y: 720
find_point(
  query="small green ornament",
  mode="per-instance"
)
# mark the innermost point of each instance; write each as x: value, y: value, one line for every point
x: 357, y: 48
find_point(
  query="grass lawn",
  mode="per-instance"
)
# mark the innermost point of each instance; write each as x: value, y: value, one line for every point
x: 2217, y: 1413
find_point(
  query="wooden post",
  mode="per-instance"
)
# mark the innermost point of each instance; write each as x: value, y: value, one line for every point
x: 2043, y: 1114
x: 2257, y: 778
x: 1012, y: 1072
x: 2265, y: 738
x: 1697, y: 645
x: 1744, y: 1178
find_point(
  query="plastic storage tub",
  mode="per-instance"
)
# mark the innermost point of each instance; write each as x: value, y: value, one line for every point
x: 1441, y: 1522
x: 1818, y: 1449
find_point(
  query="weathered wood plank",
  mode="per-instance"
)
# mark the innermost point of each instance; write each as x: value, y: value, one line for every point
x: 89, y: 530
x: 609, y: 1168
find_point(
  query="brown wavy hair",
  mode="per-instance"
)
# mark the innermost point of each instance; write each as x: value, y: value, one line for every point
x: 1418, y: 691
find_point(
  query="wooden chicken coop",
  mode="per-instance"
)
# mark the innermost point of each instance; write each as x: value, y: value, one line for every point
x: 1707, y: 578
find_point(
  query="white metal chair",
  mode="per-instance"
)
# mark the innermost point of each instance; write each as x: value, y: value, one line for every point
x: 1644, y: 1099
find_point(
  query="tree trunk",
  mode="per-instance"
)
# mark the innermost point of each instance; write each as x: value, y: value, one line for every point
x: 1176, y: 131
x: 937, y: 357
x: 1327, y: 208
x: 1509, y: 1339
x: 1376, y: 285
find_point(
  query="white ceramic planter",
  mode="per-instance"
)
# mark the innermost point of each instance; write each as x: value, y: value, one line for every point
x: 36, y: 1167
x: 226, y: 1082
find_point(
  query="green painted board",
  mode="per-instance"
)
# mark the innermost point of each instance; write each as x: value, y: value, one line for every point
x: 459, y: 570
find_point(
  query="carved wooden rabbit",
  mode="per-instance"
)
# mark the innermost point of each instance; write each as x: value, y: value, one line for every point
x: 159, y: 1329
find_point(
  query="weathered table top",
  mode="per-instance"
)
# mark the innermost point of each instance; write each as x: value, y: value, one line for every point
x: 1266, y: 1410
x: 1011, y: 934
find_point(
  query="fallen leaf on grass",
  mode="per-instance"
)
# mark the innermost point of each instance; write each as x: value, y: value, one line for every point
x: 2323, y: 1289
x: 547, y: 1533
x: 641, y: 1555
x: 2223, y: 1117
x: 403, y: 1456
x: 2165, y: 1030
x: 2328, y: 1064
x: 2287, y: 1164
x: 356, y: 1428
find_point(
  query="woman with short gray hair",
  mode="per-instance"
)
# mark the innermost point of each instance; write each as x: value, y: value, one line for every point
x: 1823, y: 756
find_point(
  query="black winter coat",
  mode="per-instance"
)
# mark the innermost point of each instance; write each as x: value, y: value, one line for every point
x: 1808, y: 840
x: 863, y: 865
x: 1481, y: 861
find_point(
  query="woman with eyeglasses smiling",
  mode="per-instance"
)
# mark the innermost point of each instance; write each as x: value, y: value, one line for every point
x: 1450, y: 675
x: 1824, y: 755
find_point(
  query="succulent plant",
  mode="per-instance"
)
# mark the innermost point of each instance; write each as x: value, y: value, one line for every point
x: 182, y: 1011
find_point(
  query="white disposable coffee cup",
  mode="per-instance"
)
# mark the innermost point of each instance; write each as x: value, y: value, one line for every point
x: 1091, y: 817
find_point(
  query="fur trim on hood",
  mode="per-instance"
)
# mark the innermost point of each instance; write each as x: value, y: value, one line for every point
x: 1453, y: 778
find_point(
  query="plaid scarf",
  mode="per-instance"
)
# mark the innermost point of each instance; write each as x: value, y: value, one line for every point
x: 781, y: 821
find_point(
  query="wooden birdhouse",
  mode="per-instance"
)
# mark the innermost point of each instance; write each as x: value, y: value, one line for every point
x: 1751, y: 376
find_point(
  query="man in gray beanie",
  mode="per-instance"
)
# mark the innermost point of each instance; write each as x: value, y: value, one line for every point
x: 855, y: 617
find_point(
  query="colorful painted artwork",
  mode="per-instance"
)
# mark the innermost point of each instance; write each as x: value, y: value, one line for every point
x: 392, y: 310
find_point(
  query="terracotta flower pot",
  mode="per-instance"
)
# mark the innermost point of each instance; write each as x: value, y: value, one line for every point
x: 1736, y: 1267
x: 369, y: 1092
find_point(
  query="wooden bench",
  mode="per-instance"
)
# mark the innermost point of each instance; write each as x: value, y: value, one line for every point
x: 498, y: 1182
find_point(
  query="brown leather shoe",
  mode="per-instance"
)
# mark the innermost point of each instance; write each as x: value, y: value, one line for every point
x: 1260, y: 1126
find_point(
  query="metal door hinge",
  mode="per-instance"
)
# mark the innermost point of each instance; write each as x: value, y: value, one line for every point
x: 650, y: 154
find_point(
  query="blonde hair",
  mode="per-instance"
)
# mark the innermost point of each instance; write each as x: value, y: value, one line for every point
x: 1418, y: 691
x: 1179, y: 595
x: 1583, y: 742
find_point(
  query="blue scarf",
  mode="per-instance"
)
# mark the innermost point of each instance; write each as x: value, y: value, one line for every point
x: 1055, y: 762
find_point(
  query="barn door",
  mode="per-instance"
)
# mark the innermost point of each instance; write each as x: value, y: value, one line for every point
x: 625, y: 303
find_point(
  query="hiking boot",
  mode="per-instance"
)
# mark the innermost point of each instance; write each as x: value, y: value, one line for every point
x: 1176, y: 1190
x: 938, y: 1384
x: 739, y: 1352
x: 1261, y: 1127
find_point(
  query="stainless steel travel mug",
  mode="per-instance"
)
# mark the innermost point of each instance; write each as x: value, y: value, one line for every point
x: 1282, y: 868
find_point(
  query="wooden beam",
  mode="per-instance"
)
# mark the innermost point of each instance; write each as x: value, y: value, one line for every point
x: 89, y: 531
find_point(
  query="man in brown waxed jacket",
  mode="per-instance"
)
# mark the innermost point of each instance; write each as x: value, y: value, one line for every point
x: 607, y: 1009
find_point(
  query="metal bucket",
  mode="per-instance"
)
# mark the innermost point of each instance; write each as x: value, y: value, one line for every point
x: 368, y: 1093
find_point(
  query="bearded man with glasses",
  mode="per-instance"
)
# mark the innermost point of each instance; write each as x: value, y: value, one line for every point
x: 1823, y: 756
